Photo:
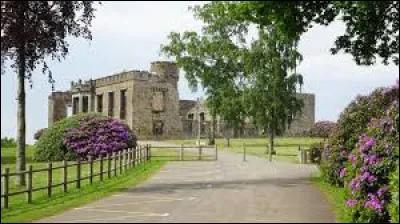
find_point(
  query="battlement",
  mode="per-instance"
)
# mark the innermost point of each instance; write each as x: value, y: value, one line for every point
x: 60, y: 95
x: 123, y: 77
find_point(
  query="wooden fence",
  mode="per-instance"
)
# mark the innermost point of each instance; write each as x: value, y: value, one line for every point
x: 120, y: 161
x: 196, y: 152
x: 304, y: 154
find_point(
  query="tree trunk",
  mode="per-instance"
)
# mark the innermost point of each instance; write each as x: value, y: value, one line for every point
x: 213, y: 130
x: 21, y: 125
x: 271, y: 148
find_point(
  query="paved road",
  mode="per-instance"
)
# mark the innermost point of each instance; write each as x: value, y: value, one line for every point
x: 227, y: 190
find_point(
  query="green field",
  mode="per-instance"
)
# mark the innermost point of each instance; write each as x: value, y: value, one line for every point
x: 286, y: 147
x: 20, y: 211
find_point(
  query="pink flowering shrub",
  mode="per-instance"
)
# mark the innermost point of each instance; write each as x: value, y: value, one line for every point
x: 321, y: 129
x: 354, y: 121
x: 369, y: 168
x: 97, y: 136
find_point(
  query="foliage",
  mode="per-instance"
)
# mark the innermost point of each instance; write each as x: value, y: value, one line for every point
x: 362, y: 39
x: 8, y: 142
x: 39, y: 133
x: 352, y: 122
x: 370, y: 165
x: 30, y: 32
x: 321, y: 129
x: 51, y: 147
x: 211, y: 60
x: 37, y: 29
x: 394, y: 188
x: 97, y: 136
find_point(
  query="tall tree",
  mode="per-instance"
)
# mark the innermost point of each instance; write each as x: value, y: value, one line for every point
x: 372, y: 27
x: 206, y: 62
x: 30, y: 32
x: 271, y: 88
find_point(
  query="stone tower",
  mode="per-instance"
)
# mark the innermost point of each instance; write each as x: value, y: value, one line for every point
x: 165, y: 99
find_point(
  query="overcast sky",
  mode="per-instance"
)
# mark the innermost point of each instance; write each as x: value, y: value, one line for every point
x: 128, y: 35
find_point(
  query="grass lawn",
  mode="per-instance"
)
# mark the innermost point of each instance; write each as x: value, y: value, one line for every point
x: 286, y: 147
x: 335, y: 195
x: 20, y: 211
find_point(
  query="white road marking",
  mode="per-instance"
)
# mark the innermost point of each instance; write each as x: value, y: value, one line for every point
x: 138, y: 202
x: 126, y: 212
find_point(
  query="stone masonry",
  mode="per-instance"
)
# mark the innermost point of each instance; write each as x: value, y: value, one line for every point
x: 148, y: 101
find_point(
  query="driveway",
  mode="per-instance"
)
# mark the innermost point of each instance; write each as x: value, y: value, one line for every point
x: 227, y: 190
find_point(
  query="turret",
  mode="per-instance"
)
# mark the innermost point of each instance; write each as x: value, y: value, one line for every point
x: 166, y: 70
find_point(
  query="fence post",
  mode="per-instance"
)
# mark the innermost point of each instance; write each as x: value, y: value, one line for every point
x: 139, y: 153
x: 109, y: 165
x: 30, y: 173
x: 181, y: 154
x: 91, y: 169
x: 115, y: 163
x: 128, y: 156
x: 78, y: 173
x: 145, y: 153
x: 134, y: 151
x: 200, y: 152
x: 65, y: 175
x: 49, y: 178
x: 216, y: 151
x: 124, y: 155
x: 244, y: 152
x: 148, y: 152
x: 101, y: 167
x: 6, y: 186
x: 120, y: 162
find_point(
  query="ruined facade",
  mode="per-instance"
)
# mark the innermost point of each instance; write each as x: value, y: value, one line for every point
x: 148, y: 101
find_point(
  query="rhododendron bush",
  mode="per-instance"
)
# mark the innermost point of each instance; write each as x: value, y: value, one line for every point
x: 352, y: 122
x: 366, y: 167
x: 97, y: 136
x: 321, y: 129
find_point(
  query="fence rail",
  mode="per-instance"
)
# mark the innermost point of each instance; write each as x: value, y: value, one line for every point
x: 122, y: 161
x: 200, y: 152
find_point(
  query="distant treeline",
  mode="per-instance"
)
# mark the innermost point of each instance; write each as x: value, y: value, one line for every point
x: 8, y: 142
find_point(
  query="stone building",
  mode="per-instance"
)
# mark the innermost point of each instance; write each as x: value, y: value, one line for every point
x: 148, y: 101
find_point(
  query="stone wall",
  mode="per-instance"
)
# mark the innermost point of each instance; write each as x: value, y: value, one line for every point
x: 58, y: 106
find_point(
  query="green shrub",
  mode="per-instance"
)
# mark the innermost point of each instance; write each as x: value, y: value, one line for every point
x: 394, y: 187
x: 51, y: 147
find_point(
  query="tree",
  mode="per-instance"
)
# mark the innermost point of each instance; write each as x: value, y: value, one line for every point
x: 206, y: 61
x: 271, y: 89
x: 30, y: 32
x: 372, y: 27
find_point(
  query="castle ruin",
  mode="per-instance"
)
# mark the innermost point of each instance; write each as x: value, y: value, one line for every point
x: 148, y: 101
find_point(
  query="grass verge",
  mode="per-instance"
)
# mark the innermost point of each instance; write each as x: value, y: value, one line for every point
x: 43, y: 206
